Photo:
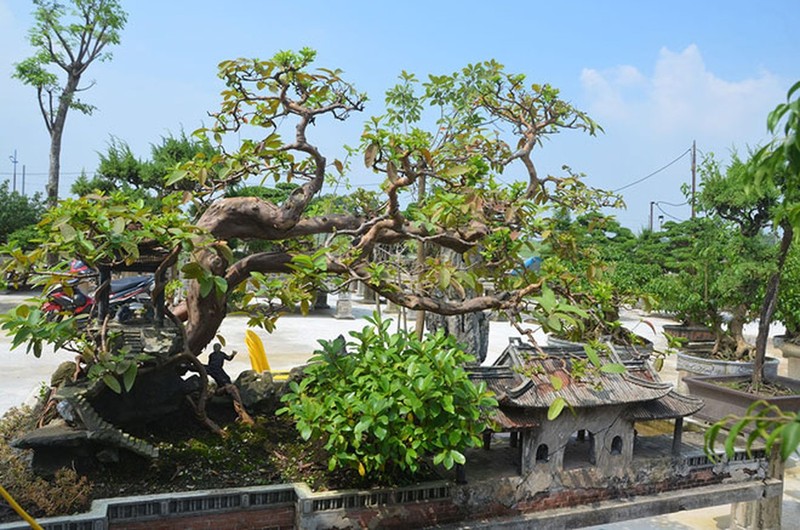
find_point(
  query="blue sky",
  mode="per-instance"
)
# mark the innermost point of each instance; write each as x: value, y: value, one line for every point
x: 655, y: 75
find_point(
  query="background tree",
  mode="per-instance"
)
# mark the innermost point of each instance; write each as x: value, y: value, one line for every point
x: 18, y: 211
x: 67, y: 37
x: 119, y: 169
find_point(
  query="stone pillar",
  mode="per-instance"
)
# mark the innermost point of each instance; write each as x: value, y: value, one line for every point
x: 677, y: 437
x: 344, y: 306
x: 764, y: 514
x: 368, y: 295
x: 470, y: 330
x: 321, y: 301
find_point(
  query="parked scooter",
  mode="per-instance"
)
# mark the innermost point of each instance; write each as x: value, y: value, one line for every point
x: 125, y: 295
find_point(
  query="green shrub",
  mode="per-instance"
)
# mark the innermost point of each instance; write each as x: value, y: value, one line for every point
x: 390, y: 403
x: 788, y: 310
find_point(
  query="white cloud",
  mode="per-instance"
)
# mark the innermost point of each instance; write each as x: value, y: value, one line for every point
x: 682, y: 97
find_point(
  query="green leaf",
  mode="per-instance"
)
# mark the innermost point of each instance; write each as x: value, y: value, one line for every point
x: 455, y: 171
x: 221, y: 285
x: 206, y: 285
x: 555, y: 409
x: 613, y: 368
x: 730, y: 440
x: 175, y: 177
x: 112, y: 383
x: 591, y: 353
x: 129, y: 376
x: 68, y: 233
x: 380, y: 432
x: 790, y: 439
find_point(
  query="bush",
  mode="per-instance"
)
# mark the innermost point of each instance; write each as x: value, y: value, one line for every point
x: 393, y: 401
x: 788, y: 309
x: 18, y: 211
x: 67, y: 492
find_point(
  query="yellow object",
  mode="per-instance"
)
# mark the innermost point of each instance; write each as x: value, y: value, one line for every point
x: 17, y: 508
x: 258, y: 356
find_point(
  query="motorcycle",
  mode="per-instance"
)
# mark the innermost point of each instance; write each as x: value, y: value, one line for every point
x: 127, y: 296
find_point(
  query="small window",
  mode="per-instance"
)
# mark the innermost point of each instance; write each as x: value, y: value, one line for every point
x: 542, y: 453
x: 616, y: 445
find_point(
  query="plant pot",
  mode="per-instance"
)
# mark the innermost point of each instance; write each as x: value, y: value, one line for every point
x: 721, y: 401
x: 690, y: 333
x: 791, y: 352
x: 696, y: 363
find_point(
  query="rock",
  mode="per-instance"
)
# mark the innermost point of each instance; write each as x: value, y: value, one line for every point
x: 257, y: 391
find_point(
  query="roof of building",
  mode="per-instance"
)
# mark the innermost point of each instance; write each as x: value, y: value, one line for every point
x: 523, y: 380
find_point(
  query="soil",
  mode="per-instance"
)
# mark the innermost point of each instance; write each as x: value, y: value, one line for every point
x: 193, y: 458
x: 765, y: 389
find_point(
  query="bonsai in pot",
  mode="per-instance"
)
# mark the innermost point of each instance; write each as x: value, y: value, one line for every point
x: 713, y: 274
x: 771, y: 185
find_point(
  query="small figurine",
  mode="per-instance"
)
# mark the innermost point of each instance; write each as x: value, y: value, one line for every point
x: 215, y: 361
x: 214, y: 368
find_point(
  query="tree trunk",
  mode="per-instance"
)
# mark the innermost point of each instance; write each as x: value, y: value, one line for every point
x: 471, y: 331
x: 56, y: 129
x: 768, y: 307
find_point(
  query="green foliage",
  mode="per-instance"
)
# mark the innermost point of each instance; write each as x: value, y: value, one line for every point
x: 788, y: 309
x: 766, y: 422
x: 27, y: 324
x: 394, y: 400
x: 18, y: 211
x: 111, y: 228
x: 120, y: 170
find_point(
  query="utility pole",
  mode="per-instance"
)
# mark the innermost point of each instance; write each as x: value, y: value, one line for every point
x: 14, y: 161
x: 694, y: 173
x: 652, y: 203
x: 23, y: 179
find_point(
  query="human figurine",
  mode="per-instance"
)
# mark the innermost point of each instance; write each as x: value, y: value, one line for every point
x: 215, y: 361
x: 214, y: 368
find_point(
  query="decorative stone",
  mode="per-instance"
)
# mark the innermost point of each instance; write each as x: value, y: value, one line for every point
x: 791, y: 352
x: 471, y: 330
x: 344, y: 307
x: 257, y: 391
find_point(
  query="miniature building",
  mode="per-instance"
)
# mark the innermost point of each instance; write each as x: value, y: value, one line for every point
x: 598, y: 429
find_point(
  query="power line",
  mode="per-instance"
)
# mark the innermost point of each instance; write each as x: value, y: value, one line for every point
x: 660, y: 209
x: 672, y: 204
x: 654, y: 173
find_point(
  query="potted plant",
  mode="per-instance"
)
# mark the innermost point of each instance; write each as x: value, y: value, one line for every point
x: 771, y: 182
x: 711, y: 277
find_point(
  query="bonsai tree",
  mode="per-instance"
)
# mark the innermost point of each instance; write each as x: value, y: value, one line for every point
x: 437, y: 152
x: 773, y: 172
x: 67, y: 38
x: 715, y: 266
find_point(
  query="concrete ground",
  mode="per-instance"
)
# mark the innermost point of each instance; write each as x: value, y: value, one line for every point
x: 295, y: 339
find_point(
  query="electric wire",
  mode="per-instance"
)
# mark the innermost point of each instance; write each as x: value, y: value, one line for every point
x: 660, y: 209
x: 654, y: 173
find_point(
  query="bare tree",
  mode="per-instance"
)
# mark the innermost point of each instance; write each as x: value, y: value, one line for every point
x: 67, y: 37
